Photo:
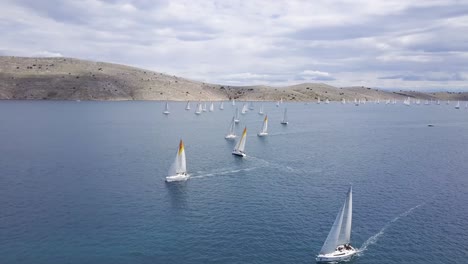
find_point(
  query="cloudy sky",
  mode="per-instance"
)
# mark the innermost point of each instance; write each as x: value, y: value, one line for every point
x: 394, y: 44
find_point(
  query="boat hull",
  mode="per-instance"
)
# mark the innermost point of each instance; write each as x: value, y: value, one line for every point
x: 336, y: 256
x: 178, y: 177
x: 262, y: 134
x: 238, y: 153
x: 284, y: 123
x: 230, y: 136
x: 166, y: 112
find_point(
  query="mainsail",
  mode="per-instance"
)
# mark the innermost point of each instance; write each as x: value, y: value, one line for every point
x: 265, y: 125
x: 285, y: 116
x: 340, y: 233
x: 241, y: 144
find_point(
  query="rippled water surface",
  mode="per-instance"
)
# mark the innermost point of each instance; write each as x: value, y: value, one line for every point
x: 84, y: 183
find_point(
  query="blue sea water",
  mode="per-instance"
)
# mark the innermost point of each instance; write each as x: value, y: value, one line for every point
x: 84, y: 183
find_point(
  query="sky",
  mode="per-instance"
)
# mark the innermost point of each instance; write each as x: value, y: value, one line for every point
x: 391, y: 44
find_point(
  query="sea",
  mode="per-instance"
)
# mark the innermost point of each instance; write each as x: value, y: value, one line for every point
x: 84, y: 182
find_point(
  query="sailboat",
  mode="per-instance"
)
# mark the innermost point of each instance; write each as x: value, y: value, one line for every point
x: 188, y: 106
x: 356, y: 103
x: 178, y: 170
x: 260, y: 112
x: 166, y: 109
x: 438, y: 102
x: 337, y: 246
x: 251, y: 106
x: 264, y: 131
x: 199, y: 109
x: 285, y: 117
x: 244, y: 109
x: 204, y: 107
x: 343, y: 101
x: 236, y: 115
x: 221, y: 106
x: 277, y: 104
x: 318, y: 100
x: 327, y: 101
x: 458, y: 105
x: 231, y: 134
x: 240, y: 146
x: 233, y: 102
x: 211, y: 107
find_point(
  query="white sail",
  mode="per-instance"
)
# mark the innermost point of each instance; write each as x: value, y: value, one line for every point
x: 233, y: 102
x: 285, y: 116
x: 179, y: 166
x: 199, y: 109
x: 211, y: 107
x: 221, y: 106
x: 244, y: 109
x: 340, y: 233
x: 166, y: 109
x: 343, y: 101
x: 327, y: 101
x: 318, y: 100
x: 265, y: 126
x: 204, y: 107
x: 236, y: 115
x: 458, y: 105
x: 240, y: 146
x: 260, y: 112
x: 188, y: 106
x: 231, y: 134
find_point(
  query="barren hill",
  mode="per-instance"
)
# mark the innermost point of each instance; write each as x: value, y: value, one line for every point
x: 73, y: 79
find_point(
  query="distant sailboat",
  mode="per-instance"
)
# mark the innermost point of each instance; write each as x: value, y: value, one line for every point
x: 236, y: 115
x: 448, y: 102
x: 457, y: 106
x: 221, y: 106
x: 337, y: 246
x: 231, y: 134
x: 211, y: 107
x: 264, y: 131
x: 204, y: 107
x: 199, y: 109
x: 318, y: 100
x: 260, y: 112
x: 277, y: 104
x: 356, y: 102
x: 343, y: 101
x: 166, y: 109
x: 244, y: 109
x: 438, y: 102
x: 251, y: 106
x: 240, y: 146
x: 233, y: 102
x: 178, y: 170
x: 188, y: 106
x: 285, y: 117
x: 327, y: 101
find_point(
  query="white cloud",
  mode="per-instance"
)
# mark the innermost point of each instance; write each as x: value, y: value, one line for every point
x: 340, y: 42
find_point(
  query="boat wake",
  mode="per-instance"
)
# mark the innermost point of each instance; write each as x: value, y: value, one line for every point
x: 373, y: 239
x: 219, y: 173
x: 265, y: 163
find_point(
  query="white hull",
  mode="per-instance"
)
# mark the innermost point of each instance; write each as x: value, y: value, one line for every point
x: 166, y: 112
x: 230, y: 136
x: 178, y: 177
x: 262, y: 134
x: 344, y: 254
x: 198, y: 113
x: 238, y: 153
x: 284, y: 123
x: 236, y: 121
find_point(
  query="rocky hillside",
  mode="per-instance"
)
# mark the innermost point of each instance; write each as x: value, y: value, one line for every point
x: 73, y: 79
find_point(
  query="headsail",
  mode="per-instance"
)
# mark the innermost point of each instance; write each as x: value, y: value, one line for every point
x: 179, y: 166
x: 340, y: 233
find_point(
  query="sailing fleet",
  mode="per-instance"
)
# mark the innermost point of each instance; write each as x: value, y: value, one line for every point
x: 337, y: 246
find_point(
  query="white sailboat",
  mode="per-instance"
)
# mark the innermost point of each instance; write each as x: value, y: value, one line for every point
x: 277, y: 104
x: 240, y: 146
x: 337, y: 246
x: 251, y: 106
x: 285, y: 117
x: 211, y: 107
x: 204, y: 107
x: 318, y: 100
x: 233, y: 102
x: 221, y: 106
x: 457, y: 106
x: 178, y: 170
x: 188, y: 106
x: 244, y: 109
x: 166, y: 109
x: 231, y: 134
x: 236, y: 115
x: 438, y: 102
x: 327, y: 101
x: 199, y: 109
x: 343, y: 101
x: 264, y: 131
x: 260, y: 112
x: 356, y: 102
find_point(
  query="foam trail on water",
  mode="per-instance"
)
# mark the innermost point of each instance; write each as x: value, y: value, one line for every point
x: 218, y: 173
x: 373, y: 239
